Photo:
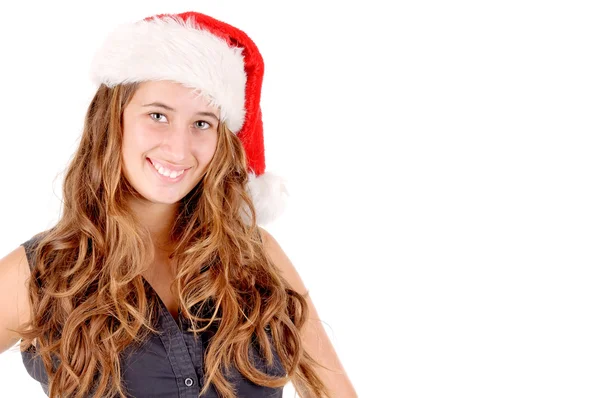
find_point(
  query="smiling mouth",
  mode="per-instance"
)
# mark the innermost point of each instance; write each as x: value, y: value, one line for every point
x: 166, y: 173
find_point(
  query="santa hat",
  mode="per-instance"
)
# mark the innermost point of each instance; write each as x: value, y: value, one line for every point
x: 202, y: 53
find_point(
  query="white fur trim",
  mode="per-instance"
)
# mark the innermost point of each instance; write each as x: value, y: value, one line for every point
x: 269, y: 196
x: 173, y: 49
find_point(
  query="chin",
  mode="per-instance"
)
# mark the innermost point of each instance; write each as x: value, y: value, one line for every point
x: 166, y: 201
x: 156, y: 198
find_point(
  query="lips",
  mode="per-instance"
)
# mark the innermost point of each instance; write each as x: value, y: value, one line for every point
x: 167, y: 175
x: 166, y: 165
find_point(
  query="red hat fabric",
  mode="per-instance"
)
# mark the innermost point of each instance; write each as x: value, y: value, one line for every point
x: 217, y: 59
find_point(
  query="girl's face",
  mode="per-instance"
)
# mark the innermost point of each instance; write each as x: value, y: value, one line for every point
x: 168, y: 127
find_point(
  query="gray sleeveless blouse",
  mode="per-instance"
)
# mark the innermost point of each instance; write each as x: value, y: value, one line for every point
x: 168, y: 364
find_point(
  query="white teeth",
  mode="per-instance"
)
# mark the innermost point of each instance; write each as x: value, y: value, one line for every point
x: 168, y: 173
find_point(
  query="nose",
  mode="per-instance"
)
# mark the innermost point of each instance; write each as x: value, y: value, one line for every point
x: 176, y: 143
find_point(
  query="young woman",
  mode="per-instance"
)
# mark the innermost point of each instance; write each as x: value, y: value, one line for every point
x: 157, y: 281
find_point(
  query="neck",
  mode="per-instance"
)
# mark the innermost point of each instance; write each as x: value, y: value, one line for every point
x: 158, y: 218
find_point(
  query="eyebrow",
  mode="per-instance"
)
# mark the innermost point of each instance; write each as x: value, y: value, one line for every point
x: 161, y: 105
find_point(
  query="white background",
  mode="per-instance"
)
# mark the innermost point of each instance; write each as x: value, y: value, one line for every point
x: 442, y: 160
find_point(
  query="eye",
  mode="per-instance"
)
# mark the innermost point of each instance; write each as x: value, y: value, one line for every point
x: 203, y: 125
x: 155, y: 113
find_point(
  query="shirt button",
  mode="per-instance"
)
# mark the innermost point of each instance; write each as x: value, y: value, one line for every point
x: 189, y: 382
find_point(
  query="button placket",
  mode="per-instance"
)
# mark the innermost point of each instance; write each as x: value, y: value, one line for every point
x: 178, y: 354
x: 195, y: 347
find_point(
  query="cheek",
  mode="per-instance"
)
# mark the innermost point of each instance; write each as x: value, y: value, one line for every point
x: 129, y: 137
x: 137, y: 139
x: 135, y: 143
x: 206, y: 149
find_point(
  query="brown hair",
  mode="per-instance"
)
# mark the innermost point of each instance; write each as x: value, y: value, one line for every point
x: 88, y: 298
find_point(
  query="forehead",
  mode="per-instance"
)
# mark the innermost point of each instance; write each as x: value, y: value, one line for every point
x: 173, y: 94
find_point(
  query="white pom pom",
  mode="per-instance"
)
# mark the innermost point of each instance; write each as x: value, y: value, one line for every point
x: 269, y: 196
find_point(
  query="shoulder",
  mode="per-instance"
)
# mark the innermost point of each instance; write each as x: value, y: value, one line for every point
x: 14, y: 264
x: 14, y: 269
x: 282, y: 261
x: 15, y: 305
x: 14, y: 297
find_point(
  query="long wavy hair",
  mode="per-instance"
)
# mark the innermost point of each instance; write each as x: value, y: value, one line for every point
x: 88, y: 297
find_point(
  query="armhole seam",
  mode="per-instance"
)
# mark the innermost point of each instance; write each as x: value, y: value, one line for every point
x: 260, y: 237
x: 30, y: 247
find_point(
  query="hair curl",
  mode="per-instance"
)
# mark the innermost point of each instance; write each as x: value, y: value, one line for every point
x: 88, y: 297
